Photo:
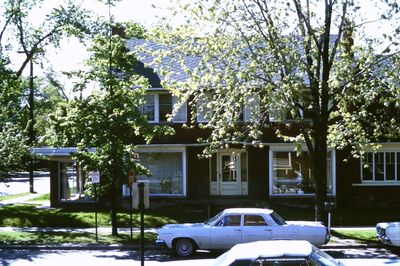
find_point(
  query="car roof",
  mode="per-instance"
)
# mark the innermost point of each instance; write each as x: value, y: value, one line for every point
x: 248, y: 210
x: 266, y: 249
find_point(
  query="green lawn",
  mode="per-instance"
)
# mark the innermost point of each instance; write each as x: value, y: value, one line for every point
x: 28, y: 215
x: 364, y: 235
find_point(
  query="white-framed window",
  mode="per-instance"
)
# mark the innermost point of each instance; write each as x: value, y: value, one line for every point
x: 203, y: 110
x: 159, y: 105
x: 250, y: 112
x: 381, y: 166
x: 291, y: 172
x: 167, y: 166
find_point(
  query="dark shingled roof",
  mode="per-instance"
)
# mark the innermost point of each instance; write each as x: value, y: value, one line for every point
x: 153, y: 73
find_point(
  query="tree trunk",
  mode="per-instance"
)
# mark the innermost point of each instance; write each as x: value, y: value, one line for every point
x: 319, y: 165
x: 113, y: 201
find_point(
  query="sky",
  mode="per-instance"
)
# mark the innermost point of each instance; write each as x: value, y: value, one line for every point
x: 71, y: 54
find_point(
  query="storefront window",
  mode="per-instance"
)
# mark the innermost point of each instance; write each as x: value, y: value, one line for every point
x: 166, y: 172
x: 292, y: 174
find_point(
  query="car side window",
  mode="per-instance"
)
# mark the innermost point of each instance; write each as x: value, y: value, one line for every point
x: 231, y: 220
x: 254, y: 220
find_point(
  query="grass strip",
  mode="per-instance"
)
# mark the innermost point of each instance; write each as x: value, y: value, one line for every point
x: 46, y: 238
x: 362, y: 235
x: 7, y: 197
x: 41, y: 198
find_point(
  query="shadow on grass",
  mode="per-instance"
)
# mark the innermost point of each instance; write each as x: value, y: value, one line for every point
x: 54, y: 239
x: 28, y: 215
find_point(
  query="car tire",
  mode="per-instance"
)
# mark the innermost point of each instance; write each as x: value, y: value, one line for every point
x: 184, y: 247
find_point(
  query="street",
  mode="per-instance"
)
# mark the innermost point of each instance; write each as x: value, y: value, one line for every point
x: 116, y: 257
x: 20, y: 184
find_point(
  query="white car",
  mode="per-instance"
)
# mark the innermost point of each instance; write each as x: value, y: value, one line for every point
x: 276, y: 252
x: 238, y: 225
x: 389, y: 233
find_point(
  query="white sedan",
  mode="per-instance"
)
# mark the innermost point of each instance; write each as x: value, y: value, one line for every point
x: 276, y: 252
x: 389, y: 233
x: 238, y: 225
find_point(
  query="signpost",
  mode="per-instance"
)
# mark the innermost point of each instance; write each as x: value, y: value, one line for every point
x: 131, y: 180
x: 95, y: 177
x: 140, y: 200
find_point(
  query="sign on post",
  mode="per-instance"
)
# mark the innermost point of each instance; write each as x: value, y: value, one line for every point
x: 95, y: 177
x: 136, y: 196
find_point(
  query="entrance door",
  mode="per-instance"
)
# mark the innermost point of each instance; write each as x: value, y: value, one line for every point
x: 230, y: 177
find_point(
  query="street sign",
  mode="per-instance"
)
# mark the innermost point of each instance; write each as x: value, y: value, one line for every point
x: 95, y: 176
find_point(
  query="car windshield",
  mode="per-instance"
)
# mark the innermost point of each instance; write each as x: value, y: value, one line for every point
x: 322, y: 258
x: 213, y: 219
x: 277, y: 218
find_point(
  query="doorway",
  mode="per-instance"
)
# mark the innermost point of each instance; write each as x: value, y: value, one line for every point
x: 228, y: 172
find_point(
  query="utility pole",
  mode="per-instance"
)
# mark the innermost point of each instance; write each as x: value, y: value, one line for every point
x: 31, y: 129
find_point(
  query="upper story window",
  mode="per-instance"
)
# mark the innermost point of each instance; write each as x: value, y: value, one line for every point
x: 281, y: 113
x: 382, y: 166
x: 159, y: 106
x: 249, y: 112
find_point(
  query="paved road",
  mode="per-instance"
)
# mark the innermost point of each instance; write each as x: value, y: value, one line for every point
x: 27, y: 257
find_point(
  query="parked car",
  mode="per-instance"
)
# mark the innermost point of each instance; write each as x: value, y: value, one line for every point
x: 275, y: 252
x: 389, y: 233
x: 238, y: 225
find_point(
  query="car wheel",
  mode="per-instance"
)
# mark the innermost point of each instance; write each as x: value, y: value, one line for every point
x: 184, y: 247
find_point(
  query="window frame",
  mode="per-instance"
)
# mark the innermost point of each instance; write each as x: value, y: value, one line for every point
x: 168, y: 149
x: 385, y: 180
x: 156, y: 94
x: 289, y: 147
x: 250, y: 112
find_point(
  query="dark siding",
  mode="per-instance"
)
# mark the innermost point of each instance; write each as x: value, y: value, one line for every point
x: 198, y: 174
x: 258, y: 172
x: 348, y: 191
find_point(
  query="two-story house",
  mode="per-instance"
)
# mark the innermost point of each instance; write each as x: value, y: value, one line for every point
x: 243, y: 172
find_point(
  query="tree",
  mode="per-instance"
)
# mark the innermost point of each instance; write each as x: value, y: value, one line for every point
x: 109, y: 119
x: 295, y: 58
x: 18, y: 33
x: 13, y: 149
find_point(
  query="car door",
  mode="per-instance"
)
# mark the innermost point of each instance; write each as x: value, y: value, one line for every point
x: 226, y: 232
x: 255, y: 228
